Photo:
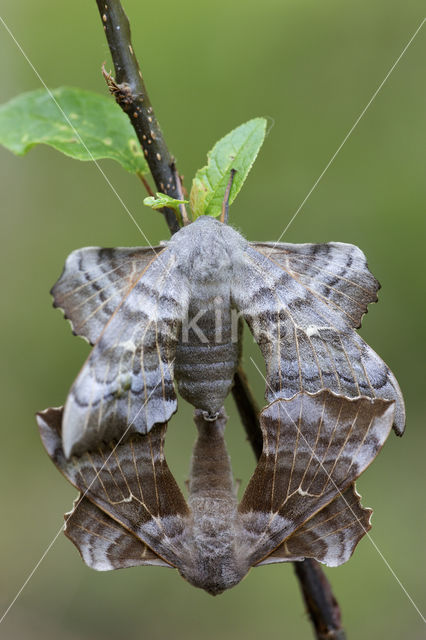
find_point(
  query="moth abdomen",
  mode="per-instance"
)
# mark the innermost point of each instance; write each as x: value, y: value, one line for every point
x: 204, y: 373
x: 207, y: 353
x: 205, y: 395
x: 213, y: 562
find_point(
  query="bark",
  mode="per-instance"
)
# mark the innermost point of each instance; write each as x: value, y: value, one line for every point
x: 129, y: 90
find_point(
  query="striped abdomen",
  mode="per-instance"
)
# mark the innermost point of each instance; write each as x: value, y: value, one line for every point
x: 208, y: 351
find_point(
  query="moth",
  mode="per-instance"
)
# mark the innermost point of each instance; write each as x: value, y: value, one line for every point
x: 300, y: 502
x: 173, y: 313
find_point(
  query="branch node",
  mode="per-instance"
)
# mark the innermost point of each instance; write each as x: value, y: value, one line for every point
x: 122, y: 92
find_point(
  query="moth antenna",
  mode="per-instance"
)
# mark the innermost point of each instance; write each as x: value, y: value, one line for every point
x: 225, y: 204
x: 182, y: 207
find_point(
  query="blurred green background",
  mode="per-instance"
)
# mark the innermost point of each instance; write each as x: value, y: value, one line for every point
x: 311, y: 67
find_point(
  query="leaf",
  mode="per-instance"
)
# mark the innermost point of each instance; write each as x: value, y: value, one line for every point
x: 237, y: 150
x: 162, y: 200
x: 34, y: 118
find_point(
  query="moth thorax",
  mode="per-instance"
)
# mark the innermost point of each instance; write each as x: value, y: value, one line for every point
x: 209, y: 260
x: 207, y: 250
x: 213, y: 264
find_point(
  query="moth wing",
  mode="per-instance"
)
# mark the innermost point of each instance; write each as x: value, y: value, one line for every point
x: 314, y: 447
x: 130, y: 483
x: 126, y: 384
x: 95, y: 281
x: 307, y: 340
x: 103, y: 543
x: 336, y: 272
x: 330, y: 536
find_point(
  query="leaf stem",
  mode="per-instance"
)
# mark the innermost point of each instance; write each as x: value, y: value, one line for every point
x: 145, y: 184
x: 130, y: 93
x: 225, y: 204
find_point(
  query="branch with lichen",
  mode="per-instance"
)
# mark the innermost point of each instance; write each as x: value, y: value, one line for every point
x: 130, y: 93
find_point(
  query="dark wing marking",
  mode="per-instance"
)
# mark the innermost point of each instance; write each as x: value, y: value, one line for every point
x: 314, y: 447
x: 131, y: 483
x: 95, y: 281
x: 103, y: 543
x: 334, y: 271
x: 306, y: 339
x: 330, y: 536
x: 126, y: 384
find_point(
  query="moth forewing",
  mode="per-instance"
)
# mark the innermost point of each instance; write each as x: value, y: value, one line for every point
x: 315, y: 447
x: 301, y: 307
x: 130, y: 483
x: 94, y: 283
x: 132, y: 505
x: 336, y: 272
x: 126, y: 384
x: 330, y: 536
x: 103, y: 543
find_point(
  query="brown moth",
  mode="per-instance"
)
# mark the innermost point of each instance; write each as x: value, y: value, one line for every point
x: 173, y: 313
x: 300, y: 502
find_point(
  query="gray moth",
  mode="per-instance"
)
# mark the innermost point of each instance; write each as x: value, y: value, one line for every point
x: 173, y: 314
x: 300, y: 502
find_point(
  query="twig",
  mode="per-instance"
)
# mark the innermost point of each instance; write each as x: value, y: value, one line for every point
x: 248, y: 410
x: 130, y: 93
x: 320, y: 602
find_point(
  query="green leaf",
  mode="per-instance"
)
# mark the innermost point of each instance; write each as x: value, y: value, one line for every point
x: 34, y: 118
x: 162, y: 200
x: 237, y: 150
